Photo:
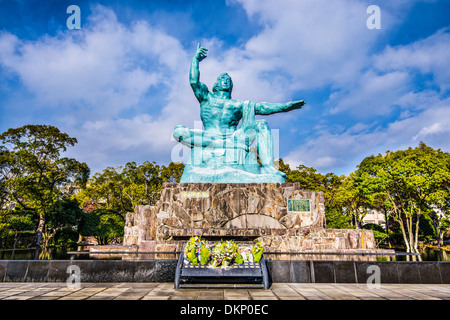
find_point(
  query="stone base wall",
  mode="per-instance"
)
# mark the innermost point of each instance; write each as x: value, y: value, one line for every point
x: 223, y: 209
x: 242, y: 212
x: 140, y: 225
x: 320, y: 239
x: 279, y: 240
x: 291, y: 240
x: 215, y: 206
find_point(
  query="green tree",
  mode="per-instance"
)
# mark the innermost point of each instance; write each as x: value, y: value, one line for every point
x: 283, y: 167
x: 411, y: 181
x: 308, y: 177
x: 329, y: 183
x: 14, y: 224
x: 173, y: 172
x: 104, y: 224
x: 122, y: 188
x: 378, y: 232
x: 351, y: 199
x: 336, y: 218
x: 3, y: 177
x: 441, y: 224
x: 371, y: 187
x: 34, y: 172
x: 63, y: 220
x: 440, y: 214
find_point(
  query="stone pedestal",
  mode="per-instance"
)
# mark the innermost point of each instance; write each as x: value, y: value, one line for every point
x: 286, y: 217
x: 234, y: 209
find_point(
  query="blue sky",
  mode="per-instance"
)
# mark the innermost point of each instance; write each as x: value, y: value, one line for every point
x: 120, y: 83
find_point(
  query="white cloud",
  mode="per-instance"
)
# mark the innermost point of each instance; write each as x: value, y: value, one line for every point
x: 427, y: 56
x: 315, y: 43
x: 105, y: 66
x: 94, y: 77
x: 405, y: 77
x: 332, y: 151
x: 86, y: 67
x: 435, y: 128
x: 371, y: 94
x: 343, y: 150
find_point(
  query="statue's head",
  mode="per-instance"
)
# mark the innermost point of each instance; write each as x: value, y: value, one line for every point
x: 223, y: 83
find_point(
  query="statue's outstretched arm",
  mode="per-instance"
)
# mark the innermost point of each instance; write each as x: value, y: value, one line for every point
x: 265, y: 108
x: 200, y: 89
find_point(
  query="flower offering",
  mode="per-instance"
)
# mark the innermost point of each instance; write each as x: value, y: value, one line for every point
x: 221, y: 254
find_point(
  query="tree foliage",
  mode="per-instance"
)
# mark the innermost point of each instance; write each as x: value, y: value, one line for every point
x: 15, y: 224
x: 34, y: 173
x: 352, y: 200
x: 408, y: 182
x: 329, y: 184
x: 104, y: 224
x: 122, y: 188
x: 64, y: 218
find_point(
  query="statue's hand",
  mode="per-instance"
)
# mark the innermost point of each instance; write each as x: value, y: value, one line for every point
x: 201, y: 52
x: 296, y: 104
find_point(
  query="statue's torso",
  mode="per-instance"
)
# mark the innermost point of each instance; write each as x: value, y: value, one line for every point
x: 220, y: 115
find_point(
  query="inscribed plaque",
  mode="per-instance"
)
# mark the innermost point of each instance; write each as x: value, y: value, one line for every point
x: 299, y: 205
x: 194, y: 194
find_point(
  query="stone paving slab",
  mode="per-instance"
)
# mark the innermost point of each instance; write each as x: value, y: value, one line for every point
x: 278, y: 291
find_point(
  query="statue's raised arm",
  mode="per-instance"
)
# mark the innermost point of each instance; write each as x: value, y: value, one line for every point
x: 200, y: 89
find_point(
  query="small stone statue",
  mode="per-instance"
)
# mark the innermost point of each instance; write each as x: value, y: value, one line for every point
x: 221, y: 153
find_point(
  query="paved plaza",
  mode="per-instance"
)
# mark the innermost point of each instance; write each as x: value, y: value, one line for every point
x: 166, y: 291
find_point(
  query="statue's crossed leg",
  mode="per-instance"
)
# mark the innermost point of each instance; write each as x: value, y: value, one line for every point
x: 241, y: 138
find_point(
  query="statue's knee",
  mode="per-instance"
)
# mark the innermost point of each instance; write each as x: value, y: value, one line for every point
x: 178, y: 133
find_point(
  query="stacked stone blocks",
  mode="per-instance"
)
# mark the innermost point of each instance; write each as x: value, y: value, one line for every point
x: 250, y: 211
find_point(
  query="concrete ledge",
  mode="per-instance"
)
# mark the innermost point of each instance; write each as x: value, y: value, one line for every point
x: 90, y: 270
x: 290, y: 271
x: 358, y: 272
